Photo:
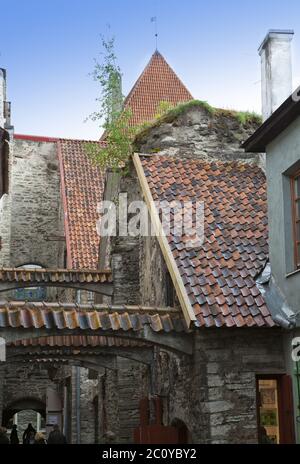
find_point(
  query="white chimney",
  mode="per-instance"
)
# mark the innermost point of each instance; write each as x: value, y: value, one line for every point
x: 276, y: 70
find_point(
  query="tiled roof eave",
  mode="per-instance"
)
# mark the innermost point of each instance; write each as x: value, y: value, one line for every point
x: 69, y: 316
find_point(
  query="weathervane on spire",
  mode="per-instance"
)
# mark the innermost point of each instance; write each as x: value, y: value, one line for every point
x: 154, y: 20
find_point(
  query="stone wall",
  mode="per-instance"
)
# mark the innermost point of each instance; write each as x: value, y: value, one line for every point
x: 214, y: 392
x: 153, y: 283
x: 36, y: 215
x: 125, y: 250
x: 109, y: 403
x: 25, y: 381
x: 138, y: 267
x: 198, y: 133
x: 31, y: 228
x: 5, y: 216
x: 88, y: 392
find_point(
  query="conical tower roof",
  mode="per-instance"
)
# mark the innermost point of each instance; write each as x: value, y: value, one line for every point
x: 158, y: 82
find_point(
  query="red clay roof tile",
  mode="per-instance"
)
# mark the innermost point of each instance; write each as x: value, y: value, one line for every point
x: 83, y: 182
x: 228, y: 257
x: 157, y: 83
x: 82, y: 190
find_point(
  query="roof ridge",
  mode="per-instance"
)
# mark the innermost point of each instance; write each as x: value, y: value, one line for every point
x: 139, y: 78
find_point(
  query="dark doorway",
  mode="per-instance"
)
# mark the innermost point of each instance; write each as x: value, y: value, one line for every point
x: 275, y: 409
x: 183, y: 432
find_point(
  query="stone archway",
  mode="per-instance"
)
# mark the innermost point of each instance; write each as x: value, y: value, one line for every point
x: 126, y: 358
x: 183, y: 431
x: 22, y: 404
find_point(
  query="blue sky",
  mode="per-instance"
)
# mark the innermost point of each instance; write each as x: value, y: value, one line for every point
x: 48, y: 47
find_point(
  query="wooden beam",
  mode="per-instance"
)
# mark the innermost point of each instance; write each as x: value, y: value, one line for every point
x: 183, y: 297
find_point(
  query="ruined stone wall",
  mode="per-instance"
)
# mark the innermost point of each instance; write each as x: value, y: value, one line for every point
x: 214, y: 392
x: 197, y: 133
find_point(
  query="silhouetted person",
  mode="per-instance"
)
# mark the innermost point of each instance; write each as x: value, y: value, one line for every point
x: 56, y: 437
x: 14, y: 439
x: 39, y: 439
x: 4, y: 440
x: 28, y: 435
x: 264, y: 439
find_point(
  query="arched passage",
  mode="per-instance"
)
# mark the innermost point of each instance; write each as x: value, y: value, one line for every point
x: 111, y: 354
x: 183, y: 431
x: 22, y: 404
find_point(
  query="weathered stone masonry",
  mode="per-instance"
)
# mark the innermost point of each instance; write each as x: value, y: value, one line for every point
x: 214, y: 391
x: 198, y: 133
x: 36, y: 216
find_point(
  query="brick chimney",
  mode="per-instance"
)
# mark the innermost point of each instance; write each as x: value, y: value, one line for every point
x: 276, y: 70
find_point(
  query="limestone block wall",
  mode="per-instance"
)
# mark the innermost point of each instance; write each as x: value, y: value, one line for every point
x: 214, y: 391
x: 88, y: 391
x: 109, y: 405
x: 24, y: 381
x: 5, y: 216
x: 125, y: 251
x: 132, y: 386
x: 153, y: 284
x: 36, y: 214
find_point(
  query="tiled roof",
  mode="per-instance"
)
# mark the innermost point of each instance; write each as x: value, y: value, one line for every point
x: 53, y: 275
x: 82, y: 190
x: 88, y: 317
x: 75, y: 341
x: 219, y: 275
x: 157, y: 83
x: 83, y: 182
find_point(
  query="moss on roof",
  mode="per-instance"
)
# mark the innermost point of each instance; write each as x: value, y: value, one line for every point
x: 243, y: 117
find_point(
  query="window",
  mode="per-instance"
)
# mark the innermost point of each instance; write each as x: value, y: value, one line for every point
x: 295, y: 190
x: 30, y: 293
